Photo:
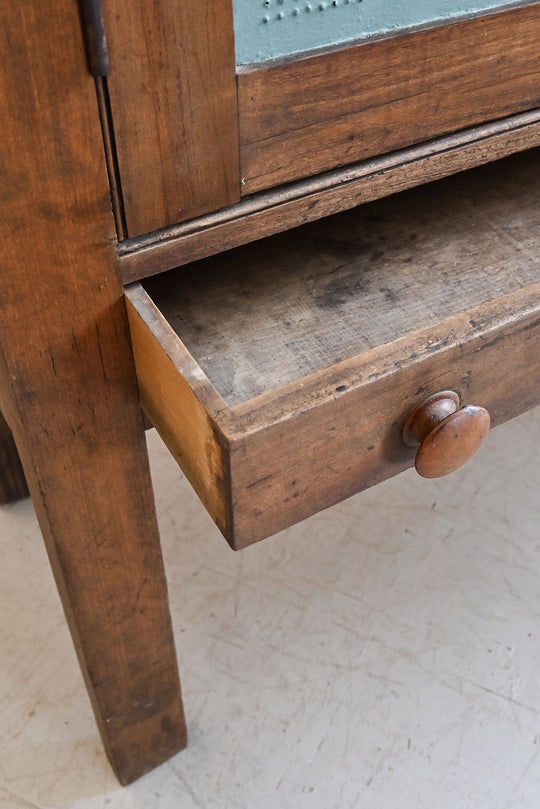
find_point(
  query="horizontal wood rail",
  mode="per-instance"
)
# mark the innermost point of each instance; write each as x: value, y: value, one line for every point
x: 271, y: 212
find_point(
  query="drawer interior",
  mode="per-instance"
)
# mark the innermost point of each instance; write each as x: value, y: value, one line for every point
x: 402, y: 291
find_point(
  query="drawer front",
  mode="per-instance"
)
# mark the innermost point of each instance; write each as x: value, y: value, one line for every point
x: 322, y: 453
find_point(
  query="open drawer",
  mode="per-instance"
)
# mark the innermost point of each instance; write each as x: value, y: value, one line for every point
x: 280, y: 374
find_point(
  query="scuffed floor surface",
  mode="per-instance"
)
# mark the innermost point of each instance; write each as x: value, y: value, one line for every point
x: 382, y: 655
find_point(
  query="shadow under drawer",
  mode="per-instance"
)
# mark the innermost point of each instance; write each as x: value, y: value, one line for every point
x: 280, y: 374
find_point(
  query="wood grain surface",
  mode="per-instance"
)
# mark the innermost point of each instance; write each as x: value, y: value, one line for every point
x: 68, y: 388
x: 309, y: 115
x: 184, y: 407
x: 173, y: 96
x: 272, y: 312
x: 271, y: 212
x: 324, y: 340
x: 340, y: 432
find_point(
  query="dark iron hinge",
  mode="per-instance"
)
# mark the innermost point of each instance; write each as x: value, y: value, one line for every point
x: 94, y: 34
x: 98, y: 65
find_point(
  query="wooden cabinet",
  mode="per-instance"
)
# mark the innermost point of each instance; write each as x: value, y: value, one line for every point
x: 424, y: 293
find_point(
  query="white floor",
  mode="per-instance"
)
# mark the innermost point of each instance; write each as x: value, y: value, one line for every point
x: 383, y: 655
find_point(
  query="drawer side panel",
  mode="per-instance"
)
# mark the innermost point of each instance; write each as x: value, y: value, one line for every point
x: 170, y: 399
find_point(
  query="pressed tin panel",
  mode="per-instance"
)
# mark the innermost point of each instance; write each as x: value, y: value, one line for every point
x: 266, y: 29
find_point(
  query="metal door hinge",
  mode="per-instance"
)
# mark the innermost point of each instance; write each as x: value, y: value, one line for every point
x: 94, y: 34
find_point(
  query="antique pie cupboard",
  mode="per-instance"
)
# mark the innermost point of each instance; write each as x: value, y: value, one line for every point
x: 303, y: 235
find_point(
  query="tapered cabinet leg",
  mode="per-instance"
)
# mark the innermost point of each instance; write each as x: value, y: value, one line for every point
x: 95, y: 505
x: 68, y: 389
x: 96, y: 511
x: 12, y: 480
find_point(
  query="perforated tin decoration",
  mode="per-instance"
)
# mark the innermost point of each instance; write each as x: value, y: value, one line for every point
x: 268, y: 29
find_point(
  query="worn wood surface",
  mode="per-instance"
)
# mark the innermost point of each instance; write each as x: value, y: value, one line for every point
x: 340, y: 432
x: 268, y: 313
x: 322, y: 347
x: 12, y: 480
x: 271, y: 212
x: 312, y: 114
x: 68, y: 389
x: 173, y: 96
x: 183, y: 406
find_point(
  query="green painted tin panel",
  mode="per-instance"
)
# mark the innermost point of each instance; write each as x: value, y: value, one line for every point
x: 266, y: 29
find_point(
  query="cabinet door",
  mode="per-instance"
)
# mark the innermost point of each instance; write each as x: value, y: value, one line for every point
x: 198, y: 125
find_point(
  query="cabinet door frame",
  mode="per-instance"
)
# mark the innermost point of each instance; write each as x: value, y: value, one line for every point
x: 195, y: 134
x: 307, y: 115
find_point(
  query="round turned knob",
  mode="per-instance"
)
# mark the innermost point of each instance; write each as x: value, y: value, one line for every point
x: 447, y: 436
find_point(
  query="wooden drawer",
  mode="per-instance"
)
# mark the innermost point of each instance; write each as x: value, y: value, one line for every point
x: 280, y: 374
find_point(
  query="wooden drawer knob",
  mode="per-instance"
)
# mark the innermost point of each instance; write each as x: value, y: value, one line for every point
x: 446, y: 435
